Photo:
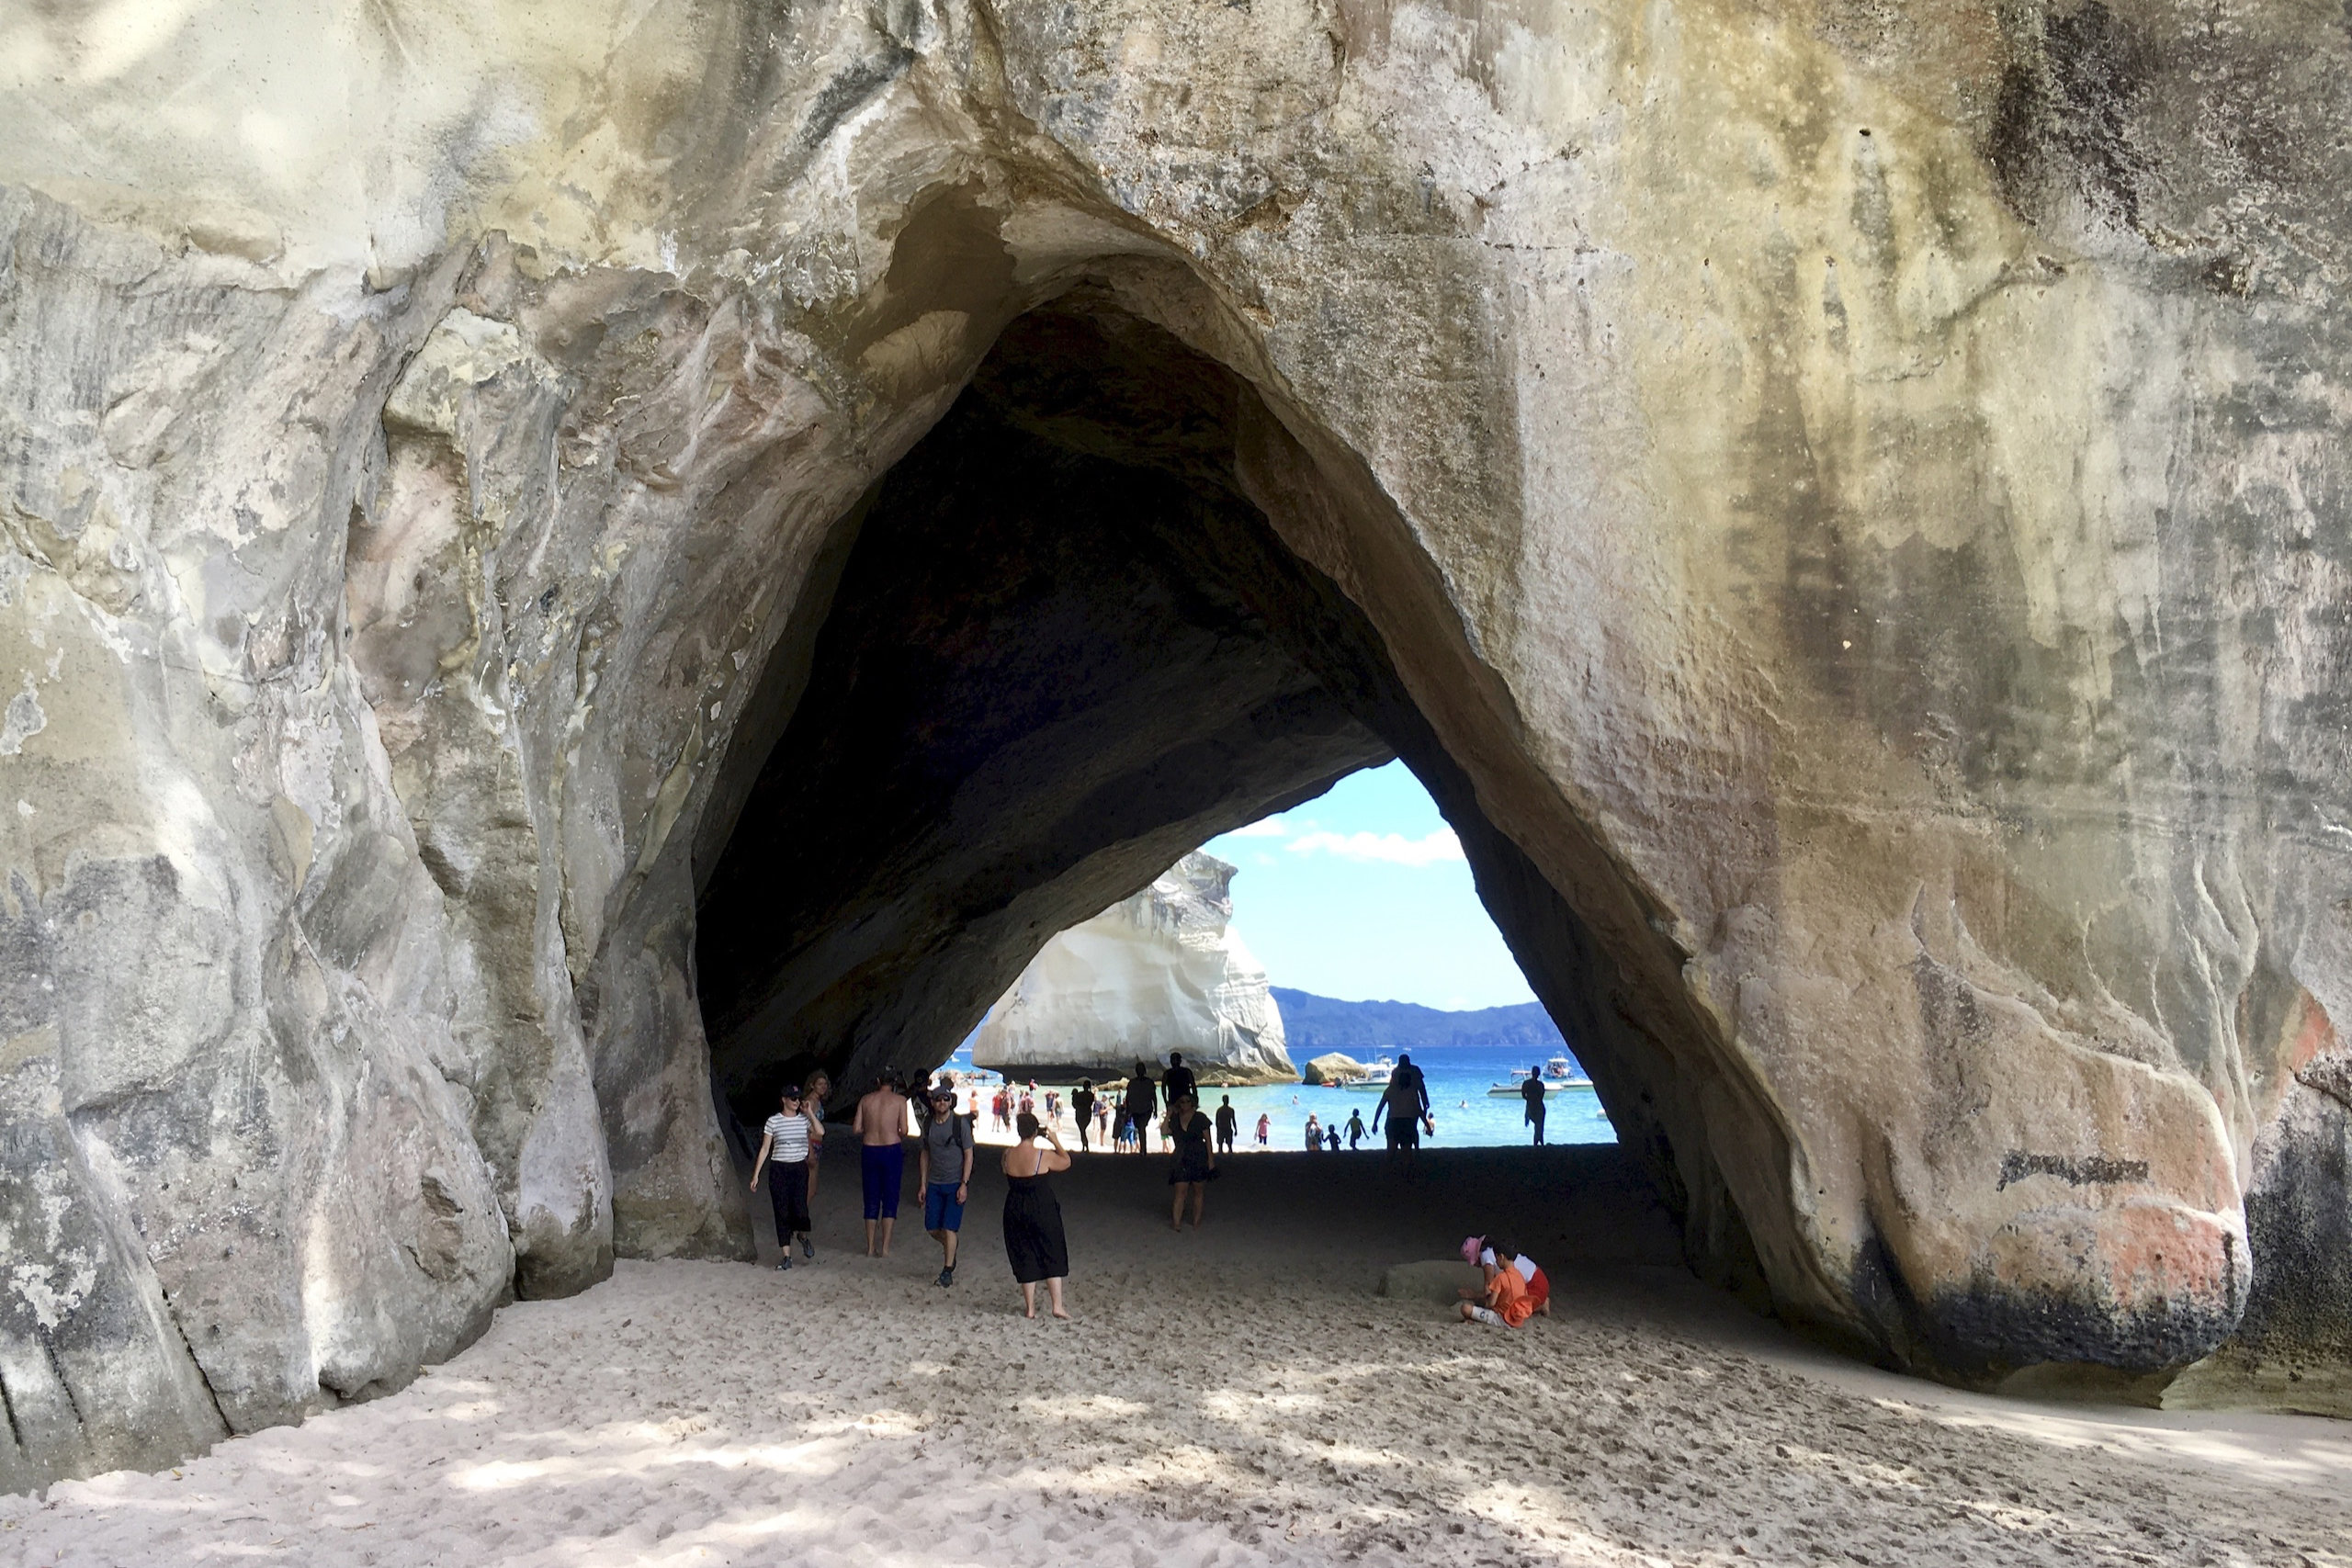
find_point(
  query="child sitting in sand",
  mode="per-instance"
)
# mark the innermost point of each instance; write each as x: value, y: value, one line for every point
x: 1506, y: 1304
x: 1491, y: 1253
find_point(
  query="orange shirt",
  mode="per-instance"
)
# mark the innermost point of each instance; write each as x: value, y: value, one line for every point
x: 1507, y: 1296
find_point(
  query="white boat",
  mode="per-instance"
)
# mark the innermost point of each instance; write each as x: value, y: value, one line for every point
x: 1558, y: 1074
x: 1375, y: 1076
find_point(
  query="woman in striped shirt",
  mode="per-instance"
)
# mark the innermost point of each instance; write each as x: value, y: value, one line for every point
x: 791, y: 1134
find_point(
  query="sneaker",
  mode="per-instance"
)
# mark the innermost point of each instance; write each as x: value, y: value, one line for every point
x: 808, y: 1249
x: 786, y: 1264
x: 947, y: 1276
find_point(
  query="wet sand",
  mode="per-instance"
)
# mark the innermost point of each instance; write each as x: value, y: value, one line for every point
x: 1236, y: 1395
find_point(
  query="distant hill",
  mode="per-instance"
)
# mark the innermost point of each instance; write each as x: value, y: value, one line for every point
x: 1314, y: 1024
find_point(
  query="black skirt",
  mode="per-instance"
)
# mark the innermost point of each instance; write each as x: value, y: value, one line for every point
x: 1033, y: 1230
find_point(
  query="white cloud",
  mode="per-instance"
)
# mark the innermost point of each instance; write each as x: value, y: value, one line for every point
x: 1393, y: 848
x: 1264, y: 828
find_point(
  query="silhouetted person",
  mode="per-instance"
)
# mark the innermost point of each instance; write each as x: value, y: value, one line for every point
x: 1195, y: 1163
x: 1355, y: 1129
x: 1228, y: 1122
x: 1032, y: 1215
x: 1406, y: 1105
x: 1142, y: 1102
x: 1177, y: 1082
x: 1531, y: 1092
x: 1081, y: 1104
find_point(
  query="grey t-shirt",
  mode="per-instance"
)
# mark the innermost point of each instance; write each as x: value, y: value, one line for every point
x: 946, y: 1139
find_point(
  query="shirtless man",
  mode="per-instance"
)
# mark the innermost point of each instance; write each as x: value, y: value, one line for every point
x: 881, y: 1126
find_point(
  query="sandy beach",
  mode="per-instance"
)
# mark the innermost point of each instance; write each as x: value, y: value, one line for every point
x: 1238, y: 1395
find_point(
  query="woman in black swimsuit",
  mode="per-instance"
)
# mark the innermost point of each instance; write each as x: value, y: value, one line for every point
x: 1033, y: 1216
x: 1189, y: 1132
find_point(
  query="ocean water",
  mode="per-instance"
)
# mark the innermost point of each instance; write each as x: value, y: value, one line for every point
x: 1459, y: 1076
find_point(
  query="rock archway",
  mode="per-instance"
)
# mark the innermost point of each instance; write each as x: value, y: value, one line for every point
x: 1843, y: 506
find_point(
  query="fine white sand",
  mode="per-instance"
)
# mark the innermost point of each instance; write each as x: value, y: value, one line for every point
x: 1235, y: 1397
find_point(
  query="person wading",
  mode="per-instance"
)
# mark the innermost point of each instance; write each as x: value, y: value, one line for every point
x: 946, y: 1158
x: 1531, y: 1092
x: 1405, y: 1104
x: 1227, y: 1124
x: 1032, y: 1215
x: 789, y: 1136
x: 1081, y: 1105
x: 1194, y: 1166
x: 1142, y: 1100
x: 881, y: 1126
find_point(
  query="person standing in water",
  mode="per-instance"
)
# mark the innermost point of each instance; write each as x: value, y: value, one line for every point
x: 1033, y: 1216
x: 1081, y: 1105
x: 1227, y: 1124
x: 1355, y: 1128
x: 1195, y: 1163
x: 1405, y: 1104
x: 1531, y: 1092
x: 1178, y: 1083
x: 788, y: 1137
x: 1142, y: 1102
x: 947, y: 1144
x: 881, y: 1127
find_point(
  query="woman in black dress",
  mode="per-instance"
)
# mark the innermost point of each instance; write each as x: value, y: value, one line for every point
x: 1033, y: 1217
x: 1188, y: 1130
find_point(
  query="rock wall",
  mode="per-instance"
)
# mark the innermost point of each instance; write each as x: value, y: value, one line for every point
x: 1161, y: 970
x: 1844, y: 504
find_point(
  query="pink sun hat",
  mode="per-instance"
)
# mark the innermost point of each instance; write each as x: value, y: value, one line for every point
x: 1471, y: 1246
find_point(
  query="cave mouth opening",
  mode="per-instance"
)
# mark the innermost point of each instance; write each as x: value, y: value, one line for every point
x: 1058, y: 645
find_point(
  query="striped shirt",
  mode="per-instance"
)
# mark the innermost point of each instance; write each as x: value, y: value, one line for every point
x: 791, y: 1135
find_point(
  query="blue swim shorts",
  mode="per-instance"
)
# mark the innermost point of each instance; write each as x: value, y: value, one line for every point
x: 940, y: 1210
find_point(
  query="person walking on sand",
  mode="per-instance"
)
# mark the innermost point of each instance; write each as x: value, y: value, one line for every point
x: 881, y: 1127
x: 1355, y: 1128
x: 1228, y: 1122
x: 788, y: 1137
x: 1531, y: 1092
x: 1102, y: 1119
x: 1194, y: 1166
x: 1081, y: 1106
x: 947, y: 1144
x: 813, y: 1090
x: 1142, y: 1102
x: 1033, y: 1216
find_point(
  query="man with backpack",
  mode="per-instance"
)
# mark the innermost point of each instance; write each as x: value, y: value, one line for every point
x: 946, y: 1159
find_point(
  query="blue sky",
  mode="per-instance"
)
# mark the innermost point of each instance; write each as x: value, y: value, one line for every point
x: 1364, y: 895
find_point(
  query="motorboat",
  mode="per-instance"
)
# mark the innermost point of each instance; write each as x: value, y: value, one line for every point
x: 1558, y: 1074
x: 1375, y: 1075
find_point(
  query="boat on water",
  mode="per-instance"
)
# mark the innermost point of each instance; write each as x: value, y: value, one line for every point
x: 1375, y: 1076
x: 1558, y: 1074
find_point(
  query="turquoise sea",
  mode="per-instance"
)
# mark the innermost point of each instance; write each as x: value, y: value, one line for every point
x: 1459, y: 1077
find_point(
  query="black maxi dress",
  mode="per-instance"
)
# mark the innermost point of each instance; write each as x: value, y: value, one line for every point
x: 1033, y: 1230
x: 1192, y: 1162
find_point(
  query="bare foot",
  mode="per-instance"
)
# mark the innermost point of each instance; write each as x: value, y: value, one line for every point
x: 1057, y: 1313
x: 1031, y: 1313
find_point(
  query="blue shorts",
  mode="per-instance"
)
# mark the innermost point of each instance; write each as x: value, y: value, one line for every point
x: 884, y: 1166
x: 940, y: 1210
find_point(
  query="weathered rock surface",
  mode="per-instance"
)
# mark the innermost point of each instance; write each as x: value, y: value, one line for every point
x: 1162, y: 970
x: 1332, y: 1067
x: 1845, y: 506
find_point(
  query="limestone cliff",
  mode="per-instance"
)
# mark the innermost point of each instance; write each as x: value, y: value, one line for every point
x: 1161, y: 971
x: 559, y: 563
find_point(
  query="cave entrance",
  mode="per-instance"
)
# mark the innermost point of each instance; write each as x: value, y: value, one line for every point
x: 1055, y: 648
x: 1286, y: 961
